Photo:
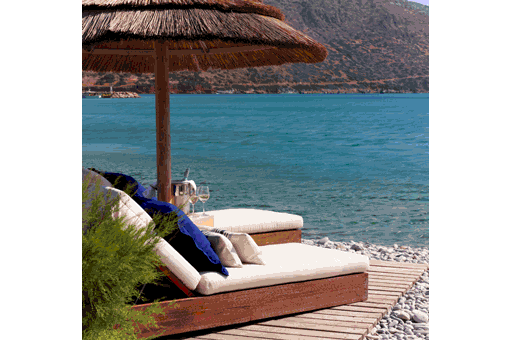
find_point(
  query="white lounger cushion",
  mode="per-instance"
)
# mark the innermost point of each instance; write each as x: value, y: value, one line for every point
x: 254, y: 220
x: 169, y: 256
x: 285, y: 263
x: 135, y: 215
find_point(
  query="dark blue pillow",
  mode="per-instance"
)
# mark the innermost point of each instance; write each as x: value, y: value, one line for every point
x: 123, y: 181
x: 189, y: 241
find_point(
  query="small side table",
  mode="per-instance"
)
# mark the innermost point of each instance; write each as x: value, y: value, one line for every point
x: 200, y: 220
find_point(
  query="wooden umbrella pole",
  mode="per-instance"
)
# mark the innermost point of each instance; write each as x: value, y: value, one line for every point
x: 164, y: 163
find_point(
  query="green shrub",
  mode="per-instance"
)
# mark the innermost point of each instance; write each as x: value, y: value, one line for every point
x: 117, y: 260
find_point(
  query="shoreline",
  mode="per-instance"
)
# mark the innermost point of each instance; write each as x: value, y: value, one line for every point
x: 409, y: 318
x: 397, y: 253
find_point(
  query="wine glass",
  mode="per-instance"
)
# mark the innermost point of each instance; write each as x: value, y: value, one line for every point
x: 203, y: 196
x: 193, y: 199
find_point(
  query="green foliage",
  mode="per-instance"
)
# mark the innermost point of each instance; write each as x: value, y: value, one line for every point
x: 117, y: 260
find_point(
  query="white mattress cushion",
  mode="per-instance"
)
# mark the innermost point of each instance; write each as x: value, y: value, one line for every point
x: 285, y: 263
x: 246, y: 248
x: 254, y: 220
x: 135, y: 215
x: 224, y: 249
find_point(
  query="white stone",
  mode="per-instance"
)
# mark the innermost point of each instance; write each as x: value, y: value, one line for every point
x: 340, y: 246
x: 421, y: 325
x: 403, y: 315
x: 323, y: 240
x: 419, y: 316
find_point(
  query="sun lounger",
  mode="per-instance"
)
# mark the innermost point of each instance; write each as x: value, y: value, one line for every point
x: 264, y: 226
x: 295, y: 278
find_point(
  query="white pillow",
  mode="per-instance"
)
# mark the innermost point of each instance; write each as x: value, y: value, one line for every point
x: 244, y: 245
x: 224, y: 249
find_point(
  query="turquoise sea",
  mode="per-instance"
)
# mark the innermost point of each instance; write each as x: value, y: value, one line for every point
x: 354, y: 166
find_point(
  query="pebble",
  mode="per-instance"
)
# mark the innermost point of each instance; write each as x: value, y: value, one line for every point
x: 357, y: 247
x: 403, y: 315
x: 324, y: 240
x: 409, y: 318
x: 371, y: 336
x: 419, y: 316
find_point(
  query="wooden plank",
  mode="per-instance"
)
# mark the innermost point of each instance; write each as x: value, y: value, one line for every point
x: 343, y: 318
x: 393, y: 265
x: 348, y: 333
x: 217, y: 336
x: 361, y: 309
x: 399, y: 277
x: 382, y: 305
x: 404, y: 271
x: 380, y: 285
x: 394, y: 283
x: 250, y: 334
x: 373, y: 298
x: 398, y: 264
x: 216, y: 310
x: 277, y: 237
x: 410, y: 278
x: 378, y: 275
x: 296, y: 330
x: 385, y: 293
x: 351, y: 324
x: 393, y: 274
x: 332, y: 311
x: 395, y: 280
x: 387, y: 289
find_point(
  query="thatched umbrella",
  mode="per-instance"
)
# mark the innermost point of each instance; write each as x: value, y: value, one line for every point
x: 160, y: 36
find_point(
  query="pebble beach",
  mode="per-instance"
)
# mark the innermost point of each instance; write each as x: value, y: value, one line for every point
x: 409, y: 318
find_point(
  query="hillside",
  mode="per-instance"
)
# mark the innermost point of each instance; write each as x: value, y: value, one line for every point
x: 373, y: 45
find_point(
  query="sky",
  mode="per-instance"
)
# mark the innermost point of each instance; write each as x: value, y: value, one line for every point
x: 424, y: 2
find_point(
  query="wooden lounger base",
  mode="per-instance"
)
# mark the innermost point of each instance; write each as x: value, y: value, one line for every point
x: 277, y: 237
x: 204, y: 312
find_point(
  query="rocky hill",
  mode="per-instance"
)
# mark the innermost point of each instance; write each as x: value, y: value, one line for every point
x: 373, y: 45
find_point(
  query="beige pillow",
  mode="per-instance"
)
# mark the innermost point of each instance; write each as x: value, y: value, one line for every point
x: 244, y: 245
x: 224, y: 249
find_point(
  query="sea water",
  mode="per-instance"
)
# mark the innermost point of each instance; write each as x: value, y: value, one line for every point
x: 354, y: 166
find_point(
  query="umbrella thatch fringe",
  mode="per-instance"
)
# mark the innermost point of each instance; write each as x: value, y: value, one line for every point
x: 224, y: 61
x: 244, y: 6
x: 189, y: 24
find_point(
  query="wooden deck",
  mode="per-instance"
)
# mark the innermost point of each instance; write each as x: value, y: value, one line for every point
x: 387, y: 281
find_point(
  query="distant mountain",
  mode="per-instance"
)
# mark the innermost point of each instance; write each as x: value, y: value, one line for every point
x: 373, y: 45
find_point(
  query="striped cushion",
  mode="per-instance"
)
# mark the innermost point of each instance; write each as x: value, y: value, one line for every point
x: 224, y: 249
x: 244, y: 245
